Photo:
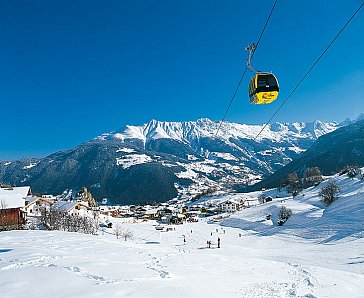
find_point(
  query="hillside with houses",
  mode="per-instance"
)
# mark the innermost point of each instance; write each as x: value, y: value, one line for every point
x: 21, y: 209
x: 269, y: 243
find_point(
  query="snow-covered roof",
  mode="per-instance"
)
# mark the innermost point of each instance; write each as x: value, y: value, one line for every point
x: 230, y: 201
x: 151, y: 211
x: 63, y: 206
x: 22, y: 190
x: 11, y: 200
x: 32, y: 200
x: 167, y: 217
x: 194, y: 212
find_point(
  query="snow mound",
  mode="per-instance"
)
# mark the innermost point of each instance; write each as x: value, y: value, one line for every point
x: 31, y: 165
x: 132, y: 159
x: 126, y: 150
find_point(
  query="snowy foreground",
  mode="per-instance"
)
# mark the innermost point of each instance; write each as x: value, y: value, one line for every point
x: 319, y: 252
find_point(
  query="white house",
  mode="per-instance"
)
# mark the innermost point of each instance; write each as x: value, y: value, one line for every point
x: 229, y: 206
x: 34, y: 205
x: 151, y: 214
x: 109, y: 210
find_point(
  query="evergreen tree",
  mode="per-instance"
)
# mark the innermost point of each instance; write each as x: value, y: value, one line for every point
x: 283, y: 216
x: 353, y: 171
x: 329, y: 193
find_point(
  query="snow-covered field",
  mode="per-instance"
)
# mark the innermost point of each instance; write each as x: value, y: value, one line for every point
x: 319, y: 252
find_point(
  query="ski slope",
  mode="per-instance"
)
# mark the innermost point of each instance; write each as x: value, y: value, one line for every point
x: 319, y: 252
x: 311, y: 219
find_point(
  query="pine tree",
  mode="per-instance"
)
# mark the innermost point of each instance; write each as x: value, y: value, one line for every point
x: 283, y: 216
x: 329, y: 193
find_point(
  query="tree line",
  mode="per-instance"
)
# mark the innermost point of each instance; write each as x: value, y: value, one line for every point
x: 55, y: 220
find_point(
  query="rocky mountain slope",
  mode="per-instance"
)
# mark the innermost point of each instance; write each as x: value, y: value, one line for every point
x: 158, y: 161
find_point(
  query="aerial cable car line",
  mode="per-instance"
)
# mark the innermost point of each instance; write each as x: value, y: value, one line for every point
x: 246, y: 68
x: 306, y: 74
x: 302, y: 79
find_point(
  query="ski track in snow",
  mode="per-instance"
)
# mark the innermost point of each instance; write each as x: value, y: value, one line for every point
x: 248, y: 268
x: 155, y: 265
x: 98, y: 279
x: 15, y: 264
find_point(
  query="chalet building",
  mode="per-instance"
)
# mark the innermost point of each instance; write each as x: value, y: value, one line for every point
x: 12, y: 205
x: 73, y: 208
x: 173, y: 219
x: 167, y: 211
x: 151, y: 214
x: 124, y: 211
x: 113, y: 211
x: 229, y: 206
x: 194, y: 208
x: 50, y: 198
x: 34, y: 205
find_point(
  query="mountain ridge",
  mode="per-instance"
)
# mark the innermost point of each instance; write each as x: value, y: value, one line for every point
x: 331, y: 153
x: 177, y: 159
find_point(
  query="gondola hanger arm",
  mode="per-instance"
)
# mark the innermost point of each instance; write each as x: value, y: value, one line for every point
x: 251, y: 49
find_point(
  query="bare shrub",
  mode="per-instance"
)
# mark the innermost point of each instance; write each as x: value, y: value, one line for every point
x: 293, y: 184
x: 312, y: 176
x: 127, y: 234
x: 55, y: 220
x: 118, y: 230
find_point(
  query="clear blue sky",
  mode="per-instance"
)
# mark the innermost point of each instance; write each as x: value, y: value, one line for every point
x: 71, y: 70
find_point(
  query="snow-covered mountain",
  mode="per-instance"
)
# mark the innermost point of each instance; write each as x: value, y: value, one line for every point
x: 331, y: 153
x: 161, y: 160
x: 192, y: 131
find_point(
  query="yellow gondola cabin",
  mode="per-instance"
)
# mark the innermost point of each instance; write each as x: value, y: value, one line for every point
x: 263, y: 88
